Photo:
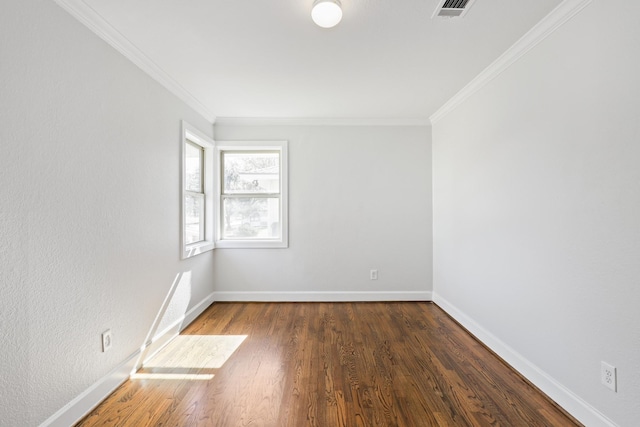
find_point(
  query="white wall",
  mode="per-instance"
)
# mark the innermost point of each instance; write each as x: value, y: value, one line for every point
x: 89, y: 209
x: 537, y: 207
x: 357, y: 202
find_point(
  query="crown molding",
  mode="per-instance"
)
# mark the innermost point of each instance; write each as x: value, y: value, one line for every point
x: 281, y: 121
x: 96, y: 23
x: 554, y: 20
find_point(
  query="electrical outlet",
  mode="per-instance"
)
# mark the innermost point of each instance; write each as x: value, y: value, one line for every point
x: 373, y: 274
x: 107, y: 340
x: 608, y: 376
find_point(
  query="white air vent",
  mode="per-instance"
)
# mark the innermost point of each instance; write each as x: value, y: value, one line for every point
x: 452, y: 8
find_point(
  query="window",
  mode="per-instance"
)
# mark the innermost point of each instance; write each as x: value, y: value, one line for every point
x: 252, y: 194
x: 197, y: 192
x: 194, y: 197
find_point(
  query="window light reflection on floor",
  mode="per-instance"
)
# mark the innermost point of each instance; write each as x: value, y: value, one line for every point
x: 190, y: 357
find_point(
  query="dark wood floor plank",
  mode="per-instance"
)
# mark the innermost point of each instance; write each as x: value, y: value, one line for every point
x: 326, y: 365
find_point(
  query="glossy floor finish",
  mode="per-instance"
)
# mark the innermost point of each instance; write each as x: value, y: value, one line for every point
x: 326, y: 365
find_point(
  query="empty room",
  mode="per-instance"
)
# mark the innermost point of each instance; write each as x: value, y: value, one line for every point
x: 319, y: 213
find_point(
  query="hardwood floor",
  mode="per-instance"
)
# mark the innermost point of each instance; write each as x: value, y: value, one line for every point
x: 326, y: 365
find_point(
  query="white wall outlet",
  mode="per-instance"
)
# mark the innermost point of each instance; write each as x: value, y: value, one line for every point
x: 107, y: 340
x: 608, y: 376
x: 373, y: 274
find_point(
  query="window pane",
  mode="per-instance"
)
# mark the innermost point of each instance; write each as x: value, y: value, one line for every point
x: 251, y: 217
x: 193, y: 168
x: 246, y: 172
x: 193, y: 218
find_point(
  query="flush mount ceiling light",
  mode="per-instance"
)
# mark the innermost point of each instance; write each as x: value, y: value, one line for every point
x: 326, y: 13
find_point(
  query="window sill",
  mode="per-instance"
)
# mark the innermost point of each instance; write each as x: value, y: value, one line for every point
x: 251, y: 244
x: 196, y: 249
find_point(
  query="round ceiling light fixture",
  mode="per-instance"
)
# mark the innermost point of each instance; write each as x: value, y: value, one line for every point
x: 326, y: 13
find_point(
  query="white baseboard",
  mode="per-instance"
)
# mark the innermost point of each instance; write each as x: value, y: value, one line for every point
x: 73, y: 411
x: 321, y: 296
x: 86, y: 401
x: 572, y: 403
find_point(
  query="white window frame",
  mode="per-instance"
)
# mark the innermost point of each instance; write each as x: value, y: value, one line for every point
x: 194, y: 136
x: 255, y: 146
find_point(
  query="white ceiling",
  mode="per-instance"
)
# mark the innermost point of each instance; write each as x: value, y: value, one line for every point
x: 387, y: 59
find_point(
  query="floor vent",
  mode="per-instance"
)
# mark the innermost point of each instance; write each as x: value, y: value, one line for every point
x: 452, y: 8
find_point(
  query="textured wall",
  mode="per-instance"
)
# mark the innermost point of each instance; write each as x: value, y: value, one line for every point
x: 536, y: 207
x: 359, y: 199
x: 89, y: 209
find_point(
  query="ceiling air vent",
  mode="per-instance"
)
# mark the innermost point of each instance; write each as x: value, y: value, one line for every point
x: 452, y: 8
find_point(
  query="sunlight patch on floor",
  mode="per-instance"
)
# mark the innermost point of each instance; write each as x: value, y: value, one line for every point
x: 190, y: 358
